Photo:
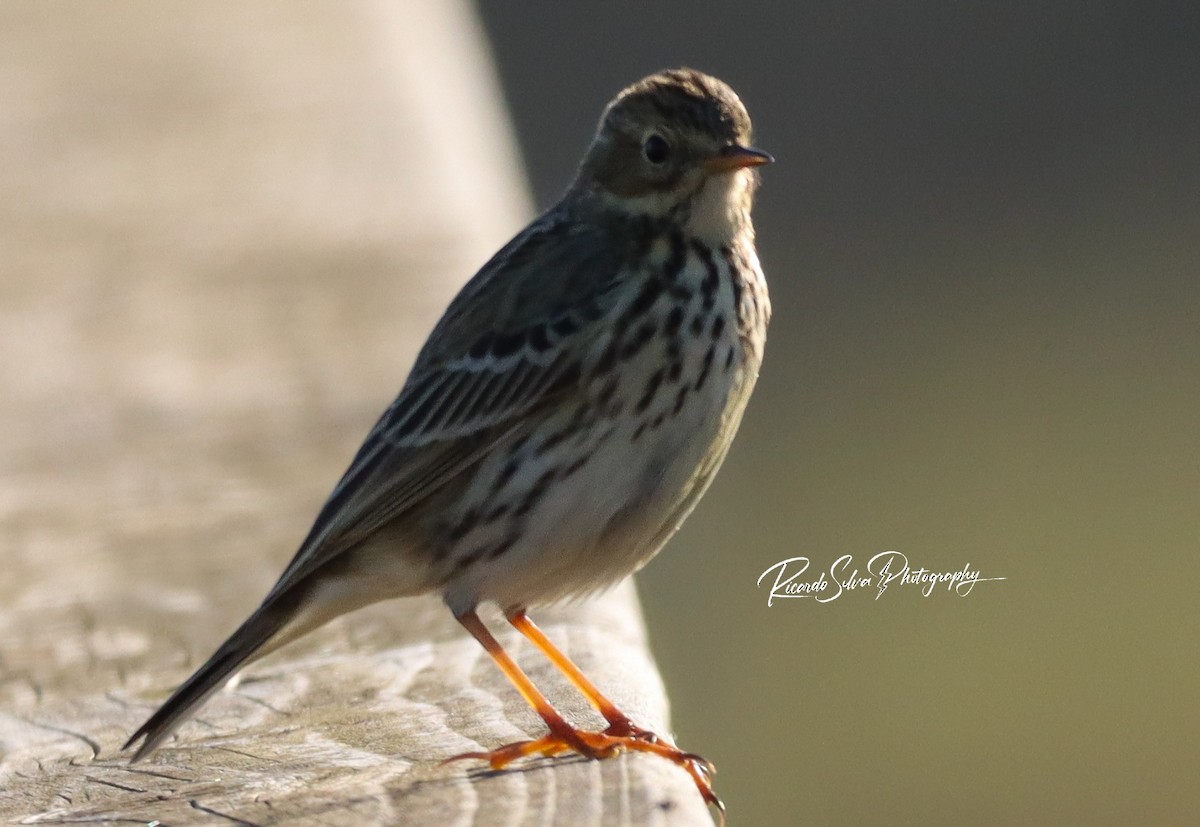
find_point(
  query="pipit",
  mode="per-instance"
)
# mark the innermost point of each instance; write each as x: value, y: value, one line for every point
x: 564, y: 417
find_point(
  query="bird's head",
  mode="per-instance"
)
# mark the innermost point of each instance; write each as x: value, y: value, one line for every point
x: 678, y: 138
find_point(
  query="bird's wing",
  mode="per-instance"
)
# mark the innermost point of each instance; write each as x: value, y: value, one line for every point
x: 508, y: 344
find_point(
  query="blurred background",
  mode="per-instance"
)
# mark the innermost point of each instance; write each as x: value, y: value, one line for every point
x: 982, y: 237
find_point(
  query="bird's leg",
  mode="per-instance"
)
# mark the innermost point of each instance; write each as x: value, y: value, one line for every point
x: 562, y: 737
x: 621, y: 729
x: 618, y: 722
x: 621, y: 735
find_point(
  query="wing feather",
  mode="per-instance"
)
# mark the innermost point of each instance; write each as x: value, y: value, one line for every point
x: 508, y: 345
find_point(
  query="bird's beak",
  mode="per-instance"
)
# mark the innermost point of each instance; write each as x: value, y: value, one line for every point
x: 735, y: 156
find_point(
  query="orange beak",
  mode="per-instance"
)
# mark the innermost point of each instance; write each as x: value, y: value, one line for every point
x: 734, y: 156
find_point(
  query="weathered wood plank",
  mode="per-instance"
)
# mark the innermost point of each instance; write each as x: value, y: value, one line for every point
x: 341, y: 735
x: 226, y: 228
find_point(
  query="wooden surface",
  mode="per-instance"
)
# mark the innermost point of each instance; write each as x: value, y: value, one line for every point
x: 226, y: 228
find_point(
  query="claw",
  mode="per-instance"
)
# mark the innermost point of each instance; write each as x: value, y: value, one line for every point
x: 709, y: 767
x: 627, y: 729
x: 599, y: 745
x: 716, y: 802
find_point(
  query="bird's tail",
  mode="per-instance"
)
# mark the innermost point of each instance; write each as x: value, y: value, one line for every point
x: 248, y: 643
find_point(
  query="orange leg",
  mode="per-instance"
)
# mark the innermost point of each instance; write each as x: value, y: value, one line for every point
x: 621, y: 734
x: 618, y: 722
x: 562, y: 738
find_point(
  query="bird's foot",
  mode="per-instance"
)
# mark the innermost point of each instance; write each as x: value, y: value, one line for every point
x: 619, y: 737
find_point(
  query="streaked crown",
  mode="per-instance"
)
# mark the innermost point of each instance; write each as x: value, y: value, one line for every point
x: 666, y: 135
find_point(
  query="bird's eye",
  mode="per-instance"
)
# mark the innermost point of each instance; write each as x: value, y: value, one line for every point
x: 656, y: 149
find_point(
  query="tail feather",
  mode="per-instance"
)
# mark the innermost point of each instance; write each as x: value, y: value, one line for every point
x: 244, y: 645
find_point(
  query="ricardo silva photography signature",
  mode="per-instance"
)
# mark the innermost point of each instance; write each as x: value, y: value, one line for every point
x: 884, y: 570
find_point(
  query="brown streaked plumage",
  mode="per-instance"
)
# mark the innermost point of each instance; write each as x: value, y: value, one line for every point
x: 564, y: 417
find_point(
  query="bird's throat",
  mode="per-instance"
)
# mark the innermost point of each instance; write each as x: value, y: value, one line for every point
x: 720, y: 209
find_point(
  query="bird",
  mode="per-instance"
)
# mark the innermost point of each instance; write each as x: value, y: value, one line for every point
x: 564, y: 417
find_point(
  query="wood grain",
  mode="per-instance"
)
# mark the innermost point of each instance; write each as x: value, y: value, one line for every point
x: 226, y: 228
